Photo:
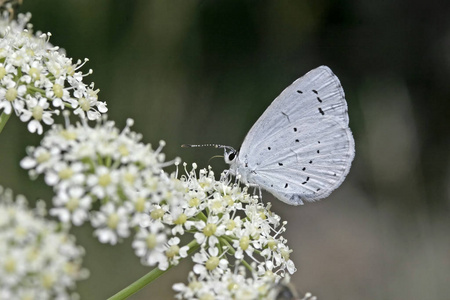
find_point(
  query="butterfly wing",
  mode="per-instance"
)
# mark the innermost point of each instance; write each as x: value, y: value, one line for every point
x: 306, y: 162
x: 316, y: 94
x: 301, y: 148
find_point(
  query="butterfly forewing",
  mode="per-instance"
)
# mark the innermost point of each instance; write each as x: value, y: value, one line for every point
x: 316, y: 94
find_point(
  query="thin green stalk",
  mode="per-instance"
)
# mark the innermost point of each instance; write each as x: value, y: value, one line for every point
x: 149, y: 277
x: 233, y: 251
x: 3, y: 119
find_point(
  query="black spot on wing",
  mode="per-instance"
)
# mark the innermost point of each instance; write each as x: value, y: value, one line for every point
x: 321, y: 111
x: 315, y: 92
x: 300, y: 92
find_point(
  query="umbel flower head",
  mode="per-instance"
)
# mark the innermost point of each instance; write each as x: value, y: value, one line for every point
x: 38, y: 258
x: 102, y: 175
x: 37, y: 80
x: 241, y: 252
x: 111, y: 179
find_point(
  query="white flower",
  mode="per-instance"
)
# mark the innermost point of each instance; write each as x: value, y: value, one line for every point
x: 149, y: 243
x: 103, y: 182
x: 173, y: 253
x: 11, y: 95
x: 36, y: 109
x: 209, y: 230
x: 37, y: 80
x: 209, y: 262
x: 111, y: 223
x: 40, y: 158
x: 64, y: 174
x: 38, y: 258
x: 72, y: 205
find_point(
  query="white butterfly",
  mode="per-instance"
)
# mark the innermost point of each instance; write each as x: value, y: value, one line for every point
x: 301, y: 147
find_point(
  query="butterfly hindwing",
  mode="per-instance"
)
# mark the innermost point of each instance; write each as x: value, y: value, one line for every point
x: 304, y: 161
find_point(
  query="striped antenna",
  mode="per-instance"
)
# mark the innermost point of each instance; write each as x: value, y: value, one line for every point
x: 204, y: 145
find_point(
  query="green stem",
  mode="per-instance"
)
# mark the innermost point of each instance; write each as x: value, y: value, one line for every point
x: 3, y: 119
x: 35, y: 89
x: 233, y: 251
x: 149, y: 277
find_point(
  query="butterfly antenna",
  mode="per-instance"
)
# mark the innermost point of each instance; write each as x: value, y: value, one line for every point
x: 203, y: 145
x: 207, y: 145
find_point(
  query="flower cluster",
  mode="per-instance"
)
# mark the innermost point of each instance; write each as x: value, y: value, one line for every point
x: 102, y: 175
x: 37, y: 80
x: 38, y: 258
x: 238, y: 286
x: 231, y: 228
x: 110, y: 178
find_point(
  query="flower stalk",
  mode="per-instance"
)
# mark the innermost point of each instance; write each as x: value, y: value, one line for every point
x: 3, y: 120
x: 149, y: 277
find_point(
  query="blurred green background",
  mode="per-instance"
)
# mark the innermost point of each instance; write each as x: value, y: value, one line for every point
x: 204, y: 71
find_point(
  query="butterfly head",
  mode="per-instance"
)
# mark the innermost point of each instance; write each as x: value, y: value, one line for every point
x: 230, y: 154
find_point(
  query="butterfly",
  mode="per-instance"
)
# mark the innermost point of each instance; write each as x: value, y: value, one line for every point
x: 301, y: 148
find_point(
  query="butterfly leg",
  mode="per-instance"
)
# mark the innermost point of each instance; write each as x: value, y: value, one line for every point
x: 255, y: 186
x: 225, y: 176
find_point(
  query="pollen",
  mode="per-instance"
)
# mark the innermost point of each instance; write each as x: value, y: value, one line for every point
x: 172, y: 251
x: 157, y: 214
x: 244, y: 242
x: 37, y: 112
x: 182, y: 218
x: 58, y: 90
x: 72, y: 204
x: 34, y: 73
x: 65, y: 173
x: 212, y: 263
x: 150, y: 241
x: 113, y: 220
x: 209, y: 229
x: 104, y: 180
x: 11, y: 94
x: 84, y: 104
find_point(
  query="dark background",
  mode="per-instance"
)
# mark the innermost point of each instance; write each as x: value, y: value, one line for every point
x: 204, y: 71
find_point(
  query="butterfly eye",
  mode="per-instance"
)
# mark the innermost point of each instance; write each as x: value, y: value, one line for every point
x: 231, y: 156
